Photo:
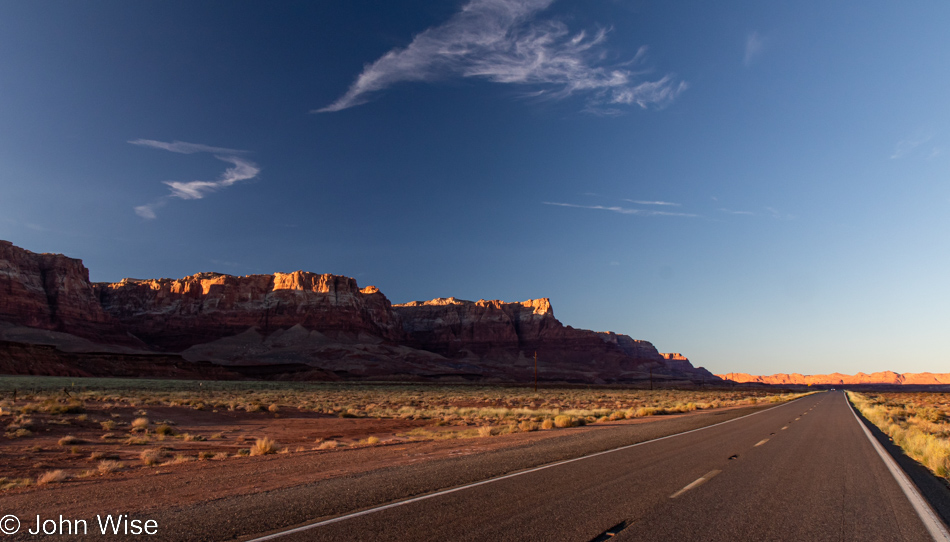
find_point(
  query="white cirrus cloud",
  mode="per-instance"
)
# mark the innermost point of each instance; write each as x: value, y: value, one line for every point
x: 642, y: 202
x: 754, y: 44
x: 501, y: 41
x: 241, y: 169
x: 184, y: 148
x: 732, y: 212
x: 907, y: 147
x: 618, y: 209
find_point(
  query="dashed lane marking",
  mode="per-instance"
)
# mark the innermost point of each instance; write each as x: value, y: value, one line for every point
x: 760, y: 443
x: 698, y: 482
x: 389, y: 506
x: 784, y: 428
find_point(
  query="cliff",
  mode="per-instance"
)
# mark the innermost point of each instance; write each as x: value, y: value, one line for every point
x: 490, y: 333
x: 52, y: 292
x: 838, y: 379
x: 176, y: 314
x: 300, y: 324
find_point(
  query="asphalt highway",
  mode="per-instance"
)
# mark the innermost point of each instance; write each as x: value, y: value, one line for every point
x: 800, y: 471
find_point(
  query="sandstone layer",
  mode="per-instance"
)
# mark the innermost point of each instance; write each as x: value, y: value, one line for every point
x: 175, y: 314
x: 884, y: 377
x: 297, y: 325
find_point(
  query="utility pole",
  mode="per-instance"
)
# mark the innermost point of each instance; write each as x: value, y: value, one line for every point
x: 535, y: 371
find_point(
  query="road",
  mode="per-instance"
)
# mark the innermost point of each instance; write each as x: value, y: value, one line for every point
x: 799, y: 471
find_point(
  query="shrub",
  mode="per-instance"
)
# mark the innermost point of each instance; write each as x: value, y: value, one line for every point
x: 264, y: 446
x: 565, y: 421
x: 485, y: 431
x: 140, y: 424
x: 528, y: 426
x: 273, y: 408
x: 108, y: 425
x: 108, y: 465
x: 151, y: 457
x: 547, y: 424
x: 70, y: 440
x: 165, y: 430
x: 52, y: 477
x: 10, y: 483
x: 328, y: 444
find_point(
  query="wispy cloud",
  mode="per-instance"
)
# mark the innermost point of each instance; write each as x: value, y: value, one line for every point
x: 778, y: 215
x: 731, y: 212
x: 907, y: 147
x: 617, y: 209
x: 185, y: 148
x: 242, y: 169
x: 500, y: 41
x: 754, y: 44
x: 641, y: 202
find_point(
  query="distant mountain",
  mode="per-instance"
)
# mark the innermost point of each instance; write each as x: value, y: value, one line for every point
x: 886, y: 377
x: 298, y: 325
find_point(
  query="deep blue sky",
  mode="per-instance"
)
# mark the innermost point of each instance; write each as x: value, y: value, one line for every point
x: 762, y: 186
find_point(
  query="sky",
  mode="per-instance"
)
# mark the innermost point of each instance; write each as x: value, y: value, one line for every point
x: 761, y: 186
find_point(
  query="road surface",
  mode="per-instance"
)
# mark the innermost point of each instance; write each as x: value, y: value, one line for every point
x: 799, y: 471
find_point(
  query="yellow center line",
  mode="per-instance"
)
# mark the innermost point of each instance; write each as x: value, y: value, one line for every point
x: 784, y: 428
x: 761, y: 442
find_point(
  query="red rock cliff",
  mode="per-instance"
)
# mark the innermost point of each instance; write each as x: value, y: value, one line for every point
x: 318, y: 321
x: 50, y: 291
x: 838, y: 379
x: 499, y: 332
x: 176, y: 314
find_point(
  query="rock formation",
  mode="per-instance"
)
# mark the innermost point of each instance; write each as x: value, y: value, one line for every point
x: 838, y: 379
x: 176, y: 314
x: 300, y: 324
x: 489, y: 333
x: 51, y: 291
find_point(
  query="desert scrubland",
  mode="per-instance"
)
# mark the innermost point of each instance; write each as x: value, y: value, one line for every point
x: 58, y: 429
x: 917, y: 422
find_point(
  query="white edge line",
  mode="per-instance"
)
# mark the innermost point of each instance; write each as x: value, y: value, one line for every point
x: 490, y: 480
x: 921, y: 506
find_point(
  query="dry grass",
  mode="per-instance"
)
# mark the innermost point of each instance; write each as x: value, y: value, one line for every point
x: 471, y: 406
x: 131, y: 414
x: 917, y: 422
x: 165, y: 430
x: 264, y: 446
x: 10, y: 483
x: 140, y: 424
x: 70, y: 440
x: 565, y: 421
x: 52, y: 477
x: 109, y: 465
x: 151, y: 457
